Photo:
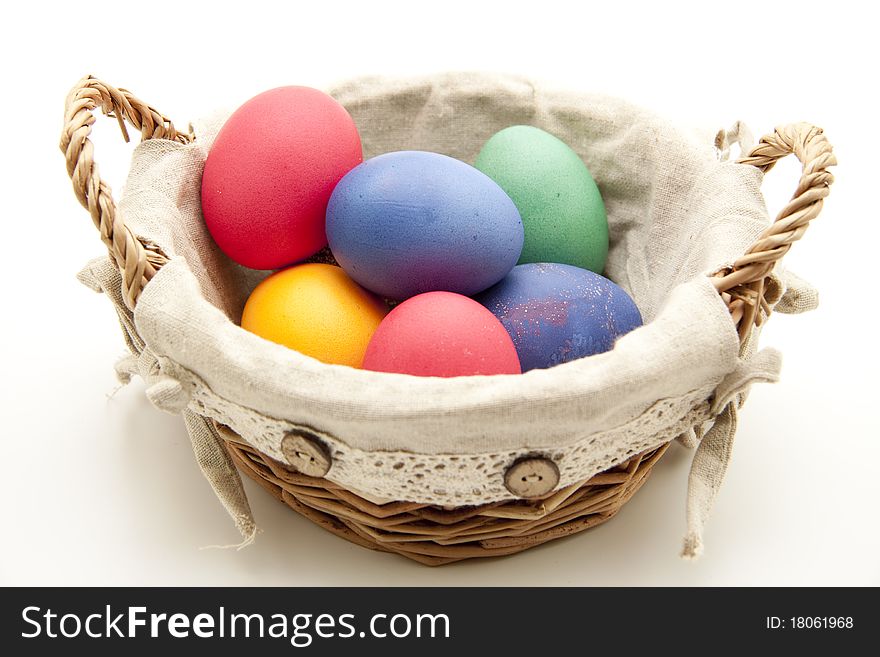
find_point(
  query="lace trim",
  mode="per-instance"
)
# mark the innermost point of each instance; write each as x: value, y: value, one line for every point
x: 462, y: 479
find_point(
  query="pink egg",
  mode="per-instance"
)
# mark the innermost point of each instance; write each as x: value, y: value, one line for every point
x: 270, y: 173
x: 441, y: 334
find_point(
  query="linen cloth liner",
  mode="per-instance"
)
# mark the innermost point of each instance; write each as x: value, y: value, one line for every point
x: 677, y: 212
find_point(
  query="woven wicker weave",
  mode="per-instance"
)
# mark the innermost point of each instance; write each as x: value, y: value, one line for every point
x: 425, y: 533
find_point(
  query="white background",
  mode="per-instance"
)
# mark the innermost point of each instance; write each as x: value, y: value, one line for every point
x: 103, y: 491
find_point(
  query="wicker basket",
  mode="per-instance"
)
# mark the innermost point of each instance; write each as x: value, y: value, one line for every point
x: 430, y: 534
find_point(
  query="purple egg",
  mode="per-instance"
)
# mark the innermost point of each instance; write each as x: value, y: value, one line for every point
x: 557, y: 313
x: 409, y: 222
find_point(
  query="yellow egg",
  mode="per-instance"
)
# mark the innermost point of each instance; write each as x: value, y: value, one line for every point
x: 317, y: 310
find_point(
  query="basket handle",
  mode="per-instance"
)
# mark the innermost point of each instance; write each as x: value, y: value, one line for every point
x: 742, y: 284
x: 138, y: 258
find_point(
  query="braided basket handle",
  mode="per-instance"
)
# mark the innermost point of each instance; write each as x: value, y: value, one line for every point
x: 742, y: 284
x: 137, y: 258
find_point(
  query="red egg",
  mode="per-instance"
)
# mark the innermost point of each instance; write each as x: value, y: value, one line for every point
x: 270, y: 173
x: 441, y: 334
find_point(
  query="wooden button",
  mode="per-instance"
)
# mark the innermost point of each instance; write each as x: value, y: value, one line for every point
x: 532, y: 476
x: 306, y: 453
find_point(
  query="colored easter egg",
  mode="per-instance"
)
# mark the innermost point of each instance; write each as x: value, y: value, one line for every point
x: 557, y: 198
x: 270, y: 173
x: 317, y: 310
x: 556, y: 313
x: 441, y: 334
x: 409, y: 222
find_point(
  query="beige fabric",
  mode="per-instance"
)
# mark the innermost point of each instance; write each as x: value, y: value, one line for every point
x: 737, y: 135
x: 799, y: 296
x: 677, y: 212
x: 166, y: 393
x: 707, y: 473
x: 715, y: 445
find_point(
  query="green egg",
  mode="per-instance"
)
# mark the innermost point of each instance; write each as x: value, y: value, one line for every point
x: 562, y: 211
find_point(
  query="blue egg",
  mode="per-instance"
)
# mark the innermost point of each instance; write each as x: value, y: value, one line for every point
x: 409, y: 222
x: 558, y: 313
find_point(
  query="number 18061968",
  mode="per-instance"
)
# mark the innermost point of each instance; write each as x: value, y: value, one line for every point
x: 810, y: 623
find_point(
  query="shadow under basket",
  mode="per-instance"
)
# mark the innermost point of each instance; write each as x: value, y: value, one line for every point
x: 431, y: 533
